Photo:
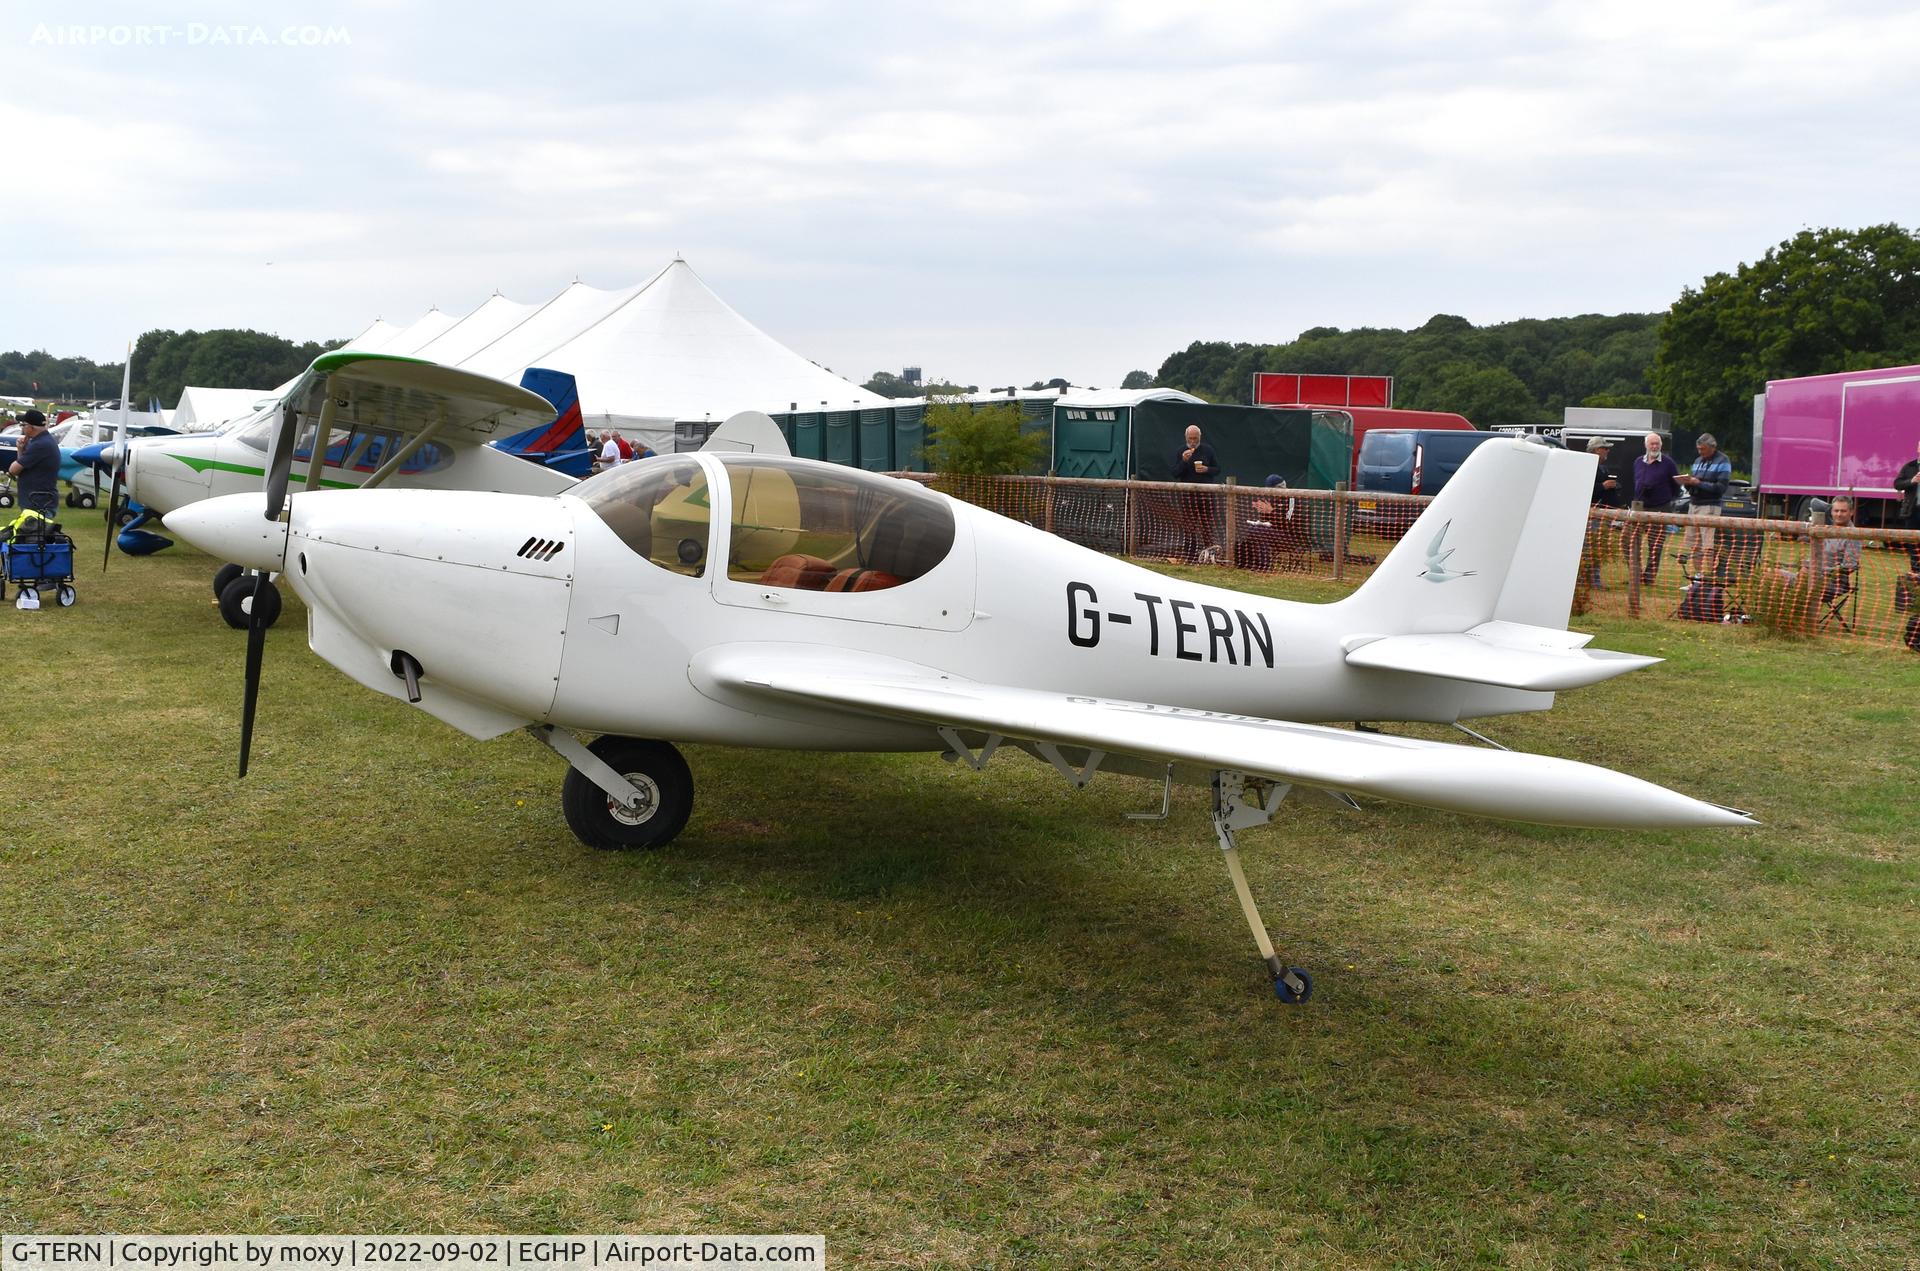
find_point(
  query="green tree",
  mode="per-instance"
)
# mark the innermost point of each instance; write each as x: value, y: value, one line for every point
x: 887, y: 384
x: 1558, y: 361
x: 1487, y: 395
x: 1137, y: 379
x: 164, y: 362
x: 1622, y: 401
x: 965, y: 440
x: 1824, y: 300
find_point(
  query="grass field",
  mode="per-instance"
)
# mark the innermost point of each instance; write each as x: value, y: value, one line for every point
x: 950, y: 1018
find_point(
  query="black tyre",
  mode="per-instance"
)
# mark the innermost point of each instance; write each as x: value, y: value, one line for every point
x: 224, y: 575
x: 66, y: 595
x: 6, y: 498
x: 86, y: 501
x: 662, y: 775
x: 237, y: 599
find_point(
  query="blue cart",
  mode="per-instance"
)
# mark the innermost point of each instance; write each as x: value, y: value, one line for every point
x: 37, y: 563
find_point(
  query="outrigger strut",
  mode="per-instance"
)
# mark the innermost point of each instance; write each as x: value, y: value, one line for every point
x: 1239, y: 802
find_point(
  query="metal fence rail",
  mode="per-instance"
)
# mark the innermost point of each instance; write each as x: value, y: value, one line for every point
x: 1780, y: 574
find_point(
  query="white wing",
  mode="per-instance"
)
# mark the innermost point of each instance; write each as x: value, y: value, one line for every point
x: 1484, y: 782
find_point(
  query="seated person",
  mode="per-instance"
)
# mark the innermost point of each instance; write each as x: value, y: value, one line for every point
x: 1839, y: 557
x: 1277, y: 528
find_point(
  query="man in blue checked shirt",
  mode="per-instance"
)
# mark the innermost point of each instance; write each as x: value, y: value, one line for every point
x: 1708, y: 481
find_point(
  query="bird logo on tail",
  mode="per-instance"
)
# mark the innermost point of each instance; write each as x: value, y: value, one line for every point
x: 1437, y: 554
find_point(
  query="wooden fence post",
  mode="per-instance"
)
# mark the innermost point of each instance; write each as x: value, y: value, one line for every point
x: 1340, y: 515
x: 1233, y: 523
x: 1634, y: 543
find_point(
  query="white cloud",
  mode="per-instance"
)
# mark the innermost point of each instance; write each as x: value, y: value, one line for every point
x: 1072, y: 187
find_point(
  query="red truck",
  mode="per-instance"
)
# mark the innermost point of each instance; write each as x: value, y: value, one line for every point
x: 1365, y: 399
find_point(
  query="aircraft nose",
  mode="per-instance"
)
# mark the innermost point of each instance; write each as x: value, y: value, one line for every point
x: 233, y: 527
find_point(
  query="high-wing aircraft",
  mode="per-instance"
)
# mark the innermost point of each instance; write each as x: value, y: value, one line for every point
x: 385, y: 418
x: 755, y: 600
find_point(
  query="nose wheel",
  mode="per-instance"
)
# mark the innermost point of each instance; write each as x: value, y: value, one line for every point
x: 237, y: 601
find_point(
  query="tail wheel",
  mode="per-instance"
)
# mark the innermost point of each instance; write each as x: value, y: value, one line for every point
x: 666, y: 790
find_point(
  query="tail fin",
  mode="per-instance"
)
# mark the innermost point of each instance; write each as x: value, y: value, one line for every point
x: 1481, y: 587
x: 561, y: 444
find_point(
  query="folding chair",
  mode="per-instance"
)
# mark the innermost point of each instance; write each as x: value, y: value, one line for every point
x: 1840, y: 600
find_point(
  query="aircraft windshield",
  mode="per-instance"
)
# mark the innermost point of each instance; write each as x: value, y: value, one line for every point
x: 355, y: 447
x: 659, y: 507
x: 831, y: 529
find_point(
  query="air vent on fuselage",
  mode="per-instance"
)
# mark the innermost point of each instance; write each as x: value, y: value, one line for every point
x: 541, y: 549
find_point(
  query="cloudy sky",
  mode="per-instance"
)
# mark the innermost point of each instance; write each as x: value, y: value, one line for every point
x: 995, y: 193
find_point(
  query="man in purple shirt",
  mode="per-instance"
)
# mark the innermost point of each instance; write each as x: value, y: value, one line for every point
x: 1656, y: 485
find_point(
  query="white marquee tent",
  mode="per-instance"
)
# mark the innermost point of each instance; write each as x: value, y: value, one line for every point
x: 673, y: 350
x: 643, y: 357
x: 202, y: 409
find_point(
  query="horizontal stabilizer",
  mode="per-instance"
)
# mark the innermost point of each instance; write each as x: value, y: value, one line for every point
x: 1503, y: 654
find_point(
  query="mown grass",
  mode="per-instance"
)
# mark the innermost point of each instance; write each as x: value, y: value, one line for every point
x: 950, y: 1018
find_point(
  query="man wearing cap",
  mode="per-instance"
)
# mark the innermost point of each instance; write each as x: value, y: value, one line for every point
x: 1712, y: 472
x: 37, y: 465
x: 1606, y: 483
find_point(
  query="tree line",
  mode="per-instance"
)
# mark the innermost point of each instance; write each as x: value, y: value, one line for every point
x: 1520, y: 372
x: 1821, y: 301
x: 164, y: 363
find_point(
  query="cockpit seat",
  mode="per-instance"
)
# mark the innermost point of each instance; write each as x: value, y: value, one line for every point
x: 863, y: 580
x: 796, y: 569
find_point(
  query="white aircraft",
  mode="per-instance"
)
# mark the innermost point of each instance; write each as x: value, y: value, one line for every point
x: 832, y: 609
x: 385, y: 418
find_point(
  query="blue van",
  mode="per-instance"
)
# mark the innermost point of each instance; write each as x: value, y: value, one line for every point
x: 1407, y: 461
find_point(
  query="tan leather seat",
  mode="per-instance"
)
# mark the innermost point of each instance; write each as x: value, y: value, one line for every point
x: 795, y: 569
x: 862, y: 580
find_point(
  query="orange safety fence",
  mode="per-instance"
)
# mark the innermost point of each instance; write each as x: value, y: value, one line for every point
x: 1786, y: 575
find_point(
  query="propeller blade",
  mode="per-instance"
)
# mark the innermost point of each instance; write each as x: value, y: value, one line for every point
x: 280, y: 458
x: 113, y: 507
x: 256, y: 646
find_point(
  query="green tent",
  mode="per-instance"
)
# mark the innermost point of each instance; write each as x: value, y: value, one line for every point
x: 1312, y: 449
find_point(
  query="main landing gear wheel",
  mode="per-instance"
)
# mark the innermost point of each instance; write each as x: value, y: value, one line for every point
x: 666, y: 789
x: 237, y: 601
x: 224, y: 575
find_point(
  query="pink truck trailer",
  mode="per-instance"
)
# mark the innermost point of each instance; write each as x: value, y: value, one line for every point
x: 1845, y: 433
